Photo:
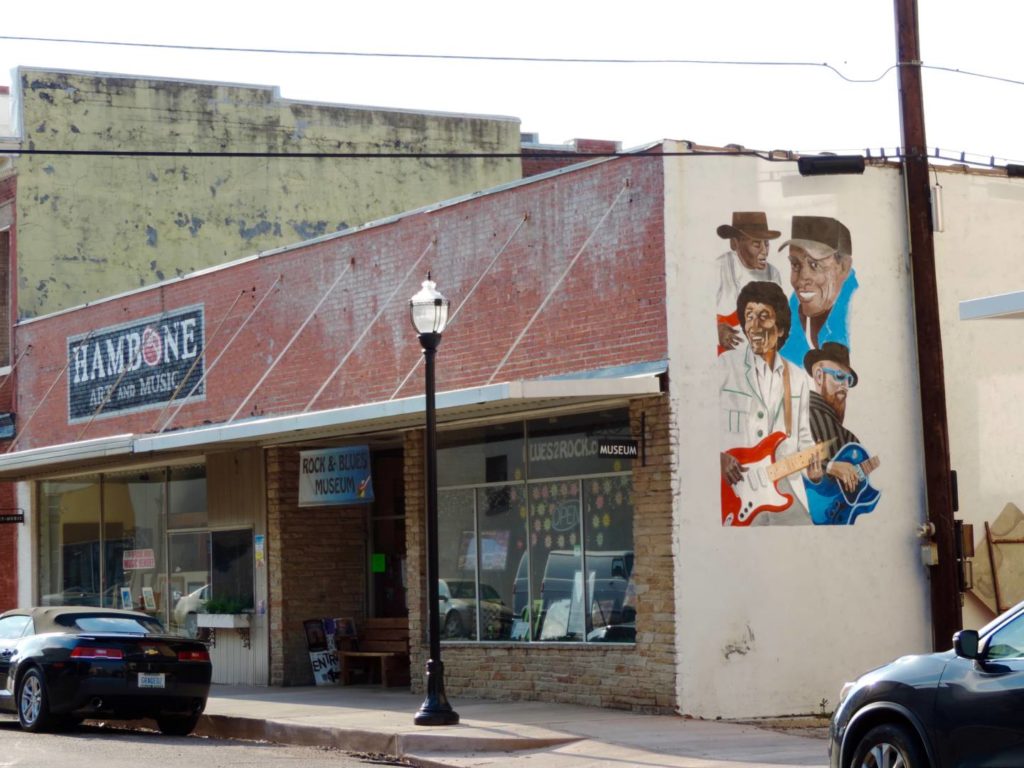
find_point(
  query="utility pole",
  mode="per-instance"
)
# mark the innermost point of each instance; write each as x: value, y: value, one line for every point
x: 945, y: 590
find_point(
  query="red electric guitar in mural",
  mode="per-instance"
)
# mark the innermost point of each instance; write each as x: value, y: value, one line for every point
x: 758, y: 491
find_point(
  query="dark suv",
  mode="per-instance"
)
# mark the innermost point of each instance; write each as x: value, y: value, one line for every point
x: 961, y: 707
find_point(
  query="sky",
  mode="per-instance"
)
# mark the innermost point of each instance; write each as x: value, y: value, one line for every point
x: 769, y: 106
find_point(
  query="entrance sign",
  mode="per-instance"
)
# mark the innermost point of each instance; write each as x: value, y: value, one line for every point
x: 136, y: 366
x: 335, y: 476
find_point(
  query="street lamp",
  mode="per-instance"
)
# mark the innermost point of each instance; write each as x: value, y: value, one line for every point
x: 429, y: 312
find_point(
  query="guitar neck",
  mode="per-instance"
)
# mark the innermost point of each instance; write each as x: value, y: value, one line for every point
x: 869, y: 465
x: 797, y: 461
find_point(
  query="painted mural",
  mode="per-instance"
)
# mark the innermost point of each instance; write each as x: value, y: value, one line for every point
x: 788, y: 457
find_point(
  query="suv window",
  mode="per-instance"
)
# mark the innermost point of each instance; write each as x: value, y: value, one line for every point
x: 1007, y: 642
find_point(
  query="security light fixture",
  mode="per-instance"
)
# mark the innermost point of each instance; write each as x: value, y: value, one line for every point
x: 825, y: 165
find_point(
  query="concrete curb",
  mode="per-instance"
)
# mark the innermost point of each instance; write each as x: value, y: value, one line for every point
x: 438, y: 741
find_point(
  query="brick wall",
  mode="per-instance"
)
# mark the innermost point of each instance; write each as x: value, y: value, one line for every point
x: 639, y: 678
x: 541, y: 159
x: 8, y: 533
x: 317, y: 561
x: 606, y: 309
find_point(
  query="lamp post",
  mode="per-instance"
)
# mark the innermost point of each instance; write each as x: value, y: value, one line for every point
x: 429, y: 312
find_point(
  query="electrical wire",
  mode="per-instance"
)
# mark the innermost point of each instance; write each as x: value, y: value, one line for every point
x: 513, y: 59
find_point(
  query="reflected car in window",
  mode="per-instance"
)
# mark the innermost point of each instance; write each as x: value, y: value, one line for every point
x: 61, y: 665
x: 187, y: 607
x: 458, y: 603
x: 960, y: 707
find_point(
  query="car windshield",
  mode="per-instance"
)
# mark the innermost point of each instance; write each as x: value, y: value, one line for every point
x: 487, y: 592
x: 464, y: 590
x: 129, y: 625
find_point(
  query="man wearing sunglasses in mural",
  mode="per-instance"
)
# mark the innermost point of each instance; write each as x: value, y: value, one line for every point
x: 845, y: 492
x: 823, y: 280
x: 744, y: 262
x: 765, y: 418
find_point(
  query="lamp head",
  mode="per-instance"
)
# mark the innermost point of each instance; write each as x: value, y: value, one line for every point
x: 428, y: 309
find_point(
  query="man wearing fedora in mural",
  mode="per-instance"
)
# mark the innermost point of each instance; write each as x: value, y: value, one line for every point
x: 744, y: 262
x: 823, y: 280
x: 847, y: 462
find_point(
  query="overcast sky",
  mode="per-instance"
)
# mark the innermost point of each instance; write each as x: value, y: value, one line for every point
x: 803, y: 108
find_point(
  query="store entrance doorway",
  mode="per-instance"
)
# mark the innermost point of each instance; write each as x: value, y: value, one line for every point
x: 387, y: 577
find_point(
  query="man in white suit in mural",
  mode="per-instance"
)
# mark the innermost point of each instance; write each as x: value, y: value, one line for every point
x: 765, y: 418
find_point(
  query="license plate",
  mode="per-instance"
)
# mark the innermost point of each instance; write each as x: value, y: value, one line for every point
x: 154, y: 680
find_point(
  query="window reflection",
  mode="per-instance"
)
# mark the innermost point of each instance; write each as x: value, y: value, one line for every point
x: 536, y: 532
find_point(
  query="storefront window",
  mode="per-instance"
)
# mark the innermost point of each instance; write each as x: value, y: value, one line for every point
x: 186, y: 498
x: 189, y: 561
x: 231, y: 564
x: 69, y: 542
x: 536, y: 531
x: 135, y: 568
x: 103, y: 541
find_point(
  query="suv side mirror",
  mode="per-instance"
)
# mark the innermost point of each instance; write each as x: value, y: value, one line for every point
x: 965, y: 643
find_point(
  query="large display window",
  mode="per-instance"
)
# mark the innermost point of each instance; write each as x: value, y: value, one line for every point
x: 536, y: 532
x: 141, y: 540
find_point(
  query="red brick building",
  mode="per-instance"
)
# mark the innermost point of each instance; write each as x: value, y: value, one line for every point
x: 557, y: 340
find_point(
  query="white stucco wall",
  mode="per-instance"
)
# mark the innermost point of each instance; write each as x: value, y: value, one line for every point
x: 772, y: 620
x: 978, y: 253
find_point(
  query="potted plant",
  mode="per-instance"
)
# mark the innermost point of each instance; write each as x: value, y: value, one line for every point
x: 223, y: 613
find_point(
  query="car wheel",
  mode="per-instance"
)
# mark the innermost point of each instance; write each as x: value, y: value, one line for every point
x: 33, y: 703
x: 192, y: 626
x: 452, y: 625
x: 888, y: 746
x: 177, y: 725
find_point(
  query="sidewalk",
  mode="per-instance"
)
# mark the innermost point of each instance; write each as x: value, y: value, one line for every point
x: 497, y: 733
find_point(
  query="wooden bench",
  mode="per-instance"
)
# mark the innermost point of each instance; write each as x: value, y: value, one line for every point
x: 381, y: 643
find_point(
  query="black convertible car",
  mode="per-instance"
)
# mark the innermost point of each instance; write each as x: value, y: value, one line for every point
x: 962, y: 707
x: 61, y: 665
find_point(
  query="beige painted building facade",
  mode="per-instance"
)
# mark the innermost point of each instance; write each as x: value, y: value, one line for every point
x: 92, y: 225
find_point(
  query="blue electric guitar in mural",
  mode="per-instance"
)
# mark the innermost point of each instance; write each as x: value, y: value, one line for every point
x: 830, y: 503
x: 758, y: 490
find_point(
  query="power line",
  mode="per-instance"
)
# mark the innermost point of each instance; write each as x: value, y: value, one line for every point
x: 776, y: 156
x: 519, y: 59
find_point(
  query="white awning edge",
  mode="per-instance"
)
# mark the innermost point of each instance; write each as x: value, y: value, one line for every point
x: 491, y: 401
x: 66, y: 453
x: 1002, y: 306
x: 278, y: 427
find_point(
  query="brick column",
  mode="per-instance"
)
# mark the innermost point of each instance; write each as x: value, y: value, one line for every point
x: 415, y: 557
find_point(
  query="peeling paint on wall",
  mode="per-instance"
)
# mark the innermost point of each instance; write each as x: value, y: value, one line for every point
x: 221, y: 208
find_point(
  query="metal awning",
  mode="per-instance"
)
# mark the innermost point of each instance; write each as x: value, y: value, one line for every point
x: 476, y: 403
x: 1003, y: 305
x: 85, y: 454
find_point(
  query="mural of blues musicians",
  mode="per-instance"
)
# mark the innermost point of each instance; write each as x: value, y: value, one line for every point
x: 744, y: 262
x: 764, y: 403
x: 823, y: 280
x: 845, y: 491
